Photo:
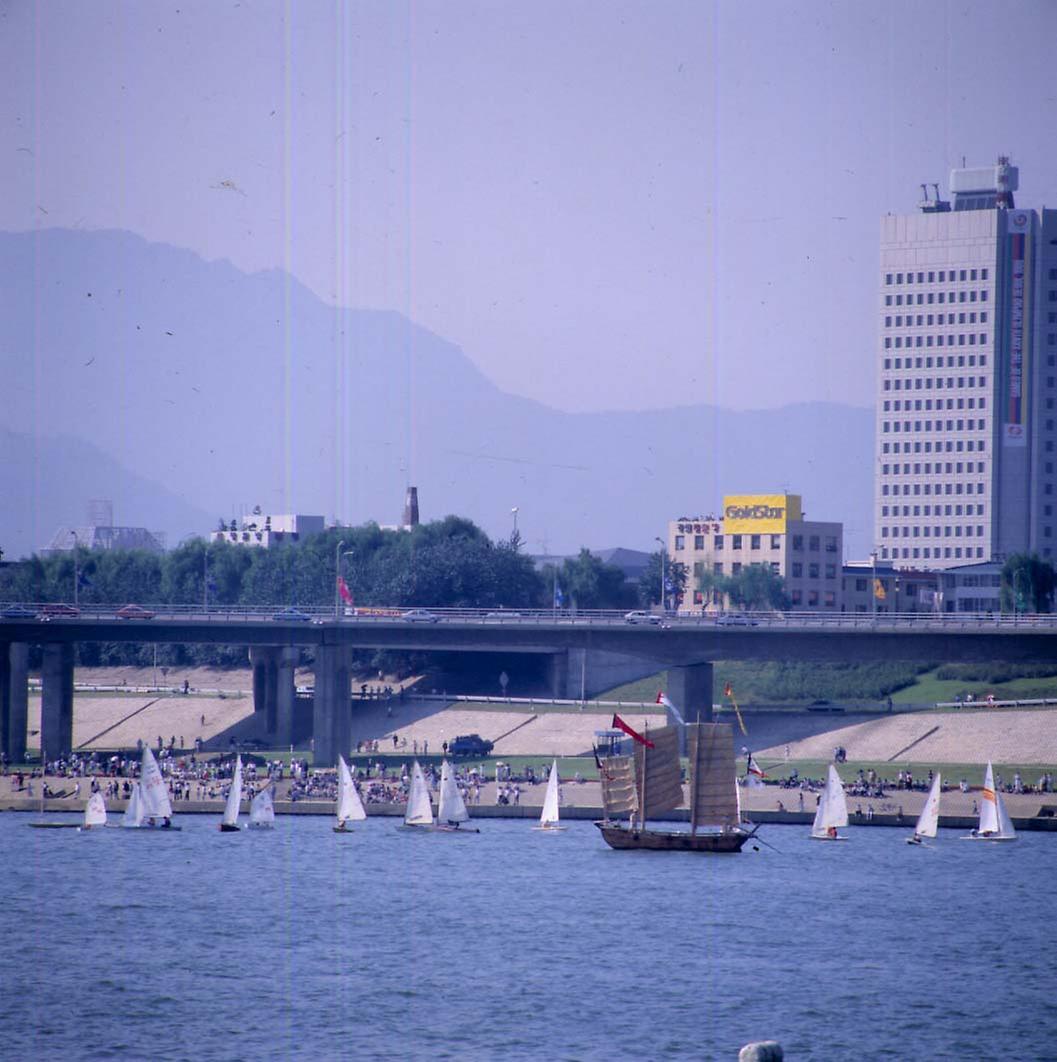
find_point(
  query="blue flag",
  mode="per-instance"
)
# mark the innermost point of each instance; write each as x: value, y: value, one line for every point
x: 558, y: 597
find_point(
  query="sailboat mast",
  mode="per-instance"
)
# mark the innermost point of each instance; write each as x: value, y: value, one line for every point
x: 642, y: 787
x: 694, y: 769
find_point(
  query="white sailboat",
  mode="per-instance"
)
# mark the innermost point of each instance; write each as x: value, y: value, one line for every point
x: 419, y: 809
x: 549, y: 814
x: 149, y: 805
x: 451, y: 813
x: 349, y: 806
x: 995, y: 824
x: 95, y: 811
x: 929, y: 819
x: 230, y: 822
x: 133, y: 816
x: 832, y: 810
x: 262, y: 810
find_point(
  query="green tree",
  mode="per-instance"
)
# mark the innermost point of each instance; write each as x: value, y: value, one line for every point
x: 757, y: 586
x: 587, y: 581
x: 676, y: 576
x: 1027, y: 583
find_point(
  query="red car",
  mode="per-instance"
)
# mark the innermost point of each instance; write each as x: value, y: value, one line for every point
x: 134, y: 612
x: 57, y: 609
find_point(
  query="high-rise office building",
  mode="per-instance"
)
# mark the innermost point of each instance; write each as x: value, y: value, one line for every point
x: 967, y: 376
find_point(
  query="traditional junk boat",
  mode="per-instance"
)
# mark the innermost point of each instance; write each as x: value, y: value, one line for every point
x: 149, y: 805
x: 230, y: 822
x: 262, y: 810
x: 995, y: 824
x: 549, y: 814
x: 650, y: 783
x: 929, y: 819
x: 451, y: 811
x: 94, y: 811
x: 419, y: 812
x: 832, y: 811
x: 349, y: 806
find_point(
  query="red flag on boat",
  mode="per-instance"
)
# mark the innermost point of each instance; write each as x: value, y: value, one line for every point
x: 754, y: 767
x: 343, y: 589
x: 621, y: 725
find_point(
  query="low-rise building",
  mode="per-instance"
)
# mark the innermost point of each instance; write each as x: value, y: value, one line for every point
x: 973, y: 588
x: 760, y: 529
x: 260, y: 529
x: 880, y: 588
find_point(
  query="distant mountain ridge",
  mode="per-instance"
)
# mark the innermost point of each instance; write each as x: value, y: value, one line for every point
x: 223, y: 389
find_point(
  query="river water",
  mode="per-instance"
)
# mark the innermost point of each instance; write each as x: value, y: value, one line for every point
x: 389, y: 944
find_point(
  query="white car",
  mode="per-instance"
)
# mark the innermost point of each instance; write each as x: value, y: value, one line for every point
x: 639, y: 616
x: 420, y: 615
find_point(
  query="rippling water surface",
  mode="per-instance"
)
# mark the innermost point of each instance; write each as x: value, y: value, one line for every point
x: 390, y: 944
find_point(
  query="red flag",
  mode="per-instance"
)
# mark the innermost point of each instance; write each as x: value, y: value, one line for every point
x: 343, y: 589
x: 728, y: 690
x: 621, y: 725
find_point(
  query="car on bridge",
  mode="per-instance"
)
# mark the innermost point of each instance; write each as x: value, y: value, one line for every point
x: 134, y: 612
x: 18, y: 612
x: 470, y: 745
x: 736, y: 619
x: 639, y: 616
x: 420, y: 615
x: 291, y: 615
x: 56, y: 610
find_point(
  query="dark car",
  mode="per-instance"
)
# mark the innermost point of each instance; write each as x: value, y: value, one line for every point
x: 470, y: 745
x: 291, y: 615
x: 134, y: 612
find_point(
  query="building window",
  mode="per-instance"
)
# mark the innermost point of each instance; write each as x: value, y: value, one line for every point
x: 735, y: 541
x: 776, y: 541
x: 735, y: 568
x: 680, y: 542
x: 798, y: 543
x: 699, y: 541
x: 717, y: 542
x: 812, y: 570
x: 798, y: 570
x: 813, y: 543
x: 717, y: 568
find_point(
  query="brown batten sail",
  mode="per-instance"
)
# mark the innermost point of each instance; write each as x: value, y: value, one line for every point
x: 619, y: 796
x: 713, y: 800
x: 662, y: 781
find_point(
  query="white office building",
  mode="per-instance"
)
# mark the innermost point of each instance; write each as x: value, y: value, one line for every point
x: 966, y: 377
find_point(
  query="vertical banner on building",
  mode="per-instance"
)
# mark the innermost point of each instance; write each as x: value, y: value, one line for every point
x: 1015, y: 427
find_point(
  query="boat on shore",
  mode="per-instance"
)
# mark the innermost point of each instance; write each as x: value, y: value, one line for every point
x: 230, y: 821
x: 349, y: 806
x: 929, y: 819
x: 649, y: 783
x: 995, y: 824
x: 549, y: 815
x: 832, y: 811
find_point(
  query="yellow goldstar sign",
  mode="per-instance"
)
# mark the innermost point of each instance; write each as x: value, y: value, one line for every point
x: 759, y: 514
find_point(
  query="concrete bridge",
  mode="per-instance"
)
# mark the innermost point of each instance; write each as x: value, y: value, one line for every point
x: 583, y: 650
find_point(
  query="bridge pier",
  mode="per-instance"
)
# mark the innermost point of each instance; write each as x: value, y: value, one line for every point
x: 14, y: 700
x: 286, y: 695
x: 575, y: 672
x: 265, y: 663
x: 56, y: 702
x: 332, y: 707
x: 690, y: 690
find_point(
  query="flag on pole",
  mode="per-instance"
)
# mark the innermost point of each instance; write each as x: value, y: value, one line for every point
x: 619, y: 724
x: 344, y: 591
x: 558, y: 597
x: 728, y: 691
x: 754, y: 768
x: 879, y: 590
x: 662, y: 698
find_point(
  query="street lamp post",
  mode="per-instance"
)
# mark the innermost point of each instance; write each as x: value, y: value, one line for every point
x: 337, y: 579
x: 513, y: 513
x: 873, y: 584
x: 205, y: 578
x: 664, y: 553
x: 76, y: 573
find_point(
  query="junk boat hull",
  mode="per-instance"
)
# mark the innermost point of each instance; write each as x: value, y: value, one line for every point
x: 664, y: 841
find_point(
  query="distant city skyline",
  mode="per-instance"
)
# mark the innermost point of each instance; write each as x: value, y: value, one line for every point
x: 612, y: 206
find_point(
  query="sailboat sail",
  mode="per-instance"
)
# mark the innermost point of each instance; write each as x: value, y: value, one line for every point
x: 95, y: 811
x: 832, y: 808
x: 713, y: 798
x: 989, y: 804
x: 1005, y: 824
x: 234, y: 801
x: 419, y: 810
x: 452, y: 806
x: 929, y: 819
x: 619, y: 796
x: 350, y: 806
x: 549, y: 815
x: 262, y: 808
x: 153, y: 792
x: 134, y: 809
x: 658, y: 773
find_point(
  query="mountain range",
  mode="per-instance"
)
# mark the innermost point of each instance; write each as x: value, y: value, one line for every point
x: 186, y: 390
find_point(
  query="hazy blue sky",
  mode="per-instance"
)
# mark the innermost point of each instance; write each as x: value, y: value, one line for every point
x: 607, y: 205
